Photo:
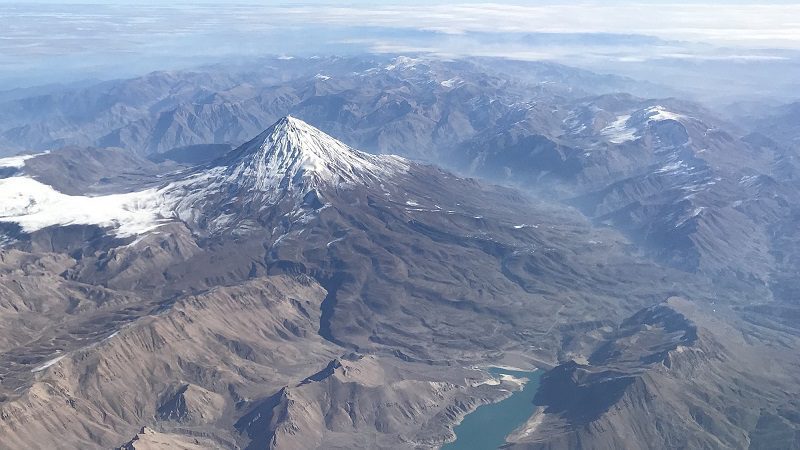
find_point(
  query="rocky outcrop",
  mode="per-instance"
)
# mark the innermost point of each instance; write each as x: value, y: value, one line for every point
x: 668, y: 374
x: 189, y: 403
x: 383, y: 403
x: 149, y: 439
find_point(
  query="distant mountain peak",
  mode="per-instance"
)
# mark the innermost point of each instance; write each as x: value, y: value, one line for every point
x: 292, y: 153
x: 660, y: 113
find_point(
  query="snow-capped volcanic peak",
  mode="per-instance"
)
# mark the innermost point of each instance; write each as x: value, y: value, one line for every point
x: 292, y: 153
x: 286, y: 161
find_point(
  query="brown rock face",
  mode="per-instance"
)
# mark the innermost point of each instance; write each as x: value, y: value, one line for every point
x: 300, y: 294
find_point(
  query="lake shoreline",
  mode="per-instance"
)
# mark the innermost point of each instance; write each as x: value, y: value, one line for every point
x: 490, y: 424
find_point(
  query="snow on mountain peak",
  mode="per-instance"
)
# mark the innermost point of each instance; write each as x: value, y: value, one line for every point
x: 292, y: 153
x: 659, y: 113
x: 403, y: 62
x: 628, y: 127
x: 291, y: 157
x: 18, y: 161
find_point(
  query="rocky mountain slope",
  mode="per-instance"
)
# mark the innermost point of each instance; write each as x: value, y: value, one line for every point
x: 692, y: 191
x: 780, y: 124
x: 199, y: 306
x: 671, y: 176
x: 677, y: 364
x: 299, y: 292
x: 404, y: 105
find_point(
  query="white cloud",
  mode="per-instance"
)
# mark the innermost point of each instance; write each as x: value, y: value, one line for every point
x: 41, y: 43
x: 729, y: 24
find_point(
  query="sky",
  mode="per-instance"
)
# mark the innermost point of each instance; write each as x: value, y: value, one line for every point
x: 57, y: 40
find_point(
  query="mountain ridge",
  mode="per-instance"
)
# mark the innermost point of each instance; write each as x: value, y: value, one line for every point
x: 259, y: 269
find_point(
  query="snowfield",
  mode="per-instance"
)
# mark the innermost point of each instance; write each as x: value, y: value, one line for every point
x: 34, y: 206
x: 18, y: 161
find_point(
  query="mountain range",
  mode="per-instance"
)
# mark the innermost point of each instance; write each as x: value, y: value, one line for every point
x: 176, y: 284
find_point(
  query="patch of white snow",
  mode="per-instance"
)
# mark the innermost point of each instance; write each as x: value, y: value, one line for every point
x: 18, y: 161
x: 452, y: 82
x: 671, y: 167
x: 659, y: 113
x: 34, y: 205
x: 403, y: 62
x: 618, y: 131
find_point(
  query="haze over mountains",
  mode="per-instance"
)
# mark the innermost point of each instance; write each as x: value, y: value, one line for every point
x: 234, y: 257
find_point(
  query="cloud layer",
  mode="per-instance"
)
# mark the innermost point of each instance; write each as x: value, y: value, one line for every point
x: 753, y: 25
x: 114, y: 39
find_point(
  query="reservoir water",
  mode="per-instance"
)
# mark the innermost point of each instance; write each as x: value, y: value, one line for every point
x: 486, y: 428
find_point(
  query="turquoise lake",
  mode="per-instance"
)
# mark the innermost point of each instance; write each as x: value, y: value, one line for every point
x: 486, y: 428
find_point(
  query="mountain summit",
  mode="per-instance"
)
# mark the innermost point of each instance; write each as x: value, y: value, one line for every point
x: 293, y: 153
x: 283, y: 164
x: 291, y: 163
